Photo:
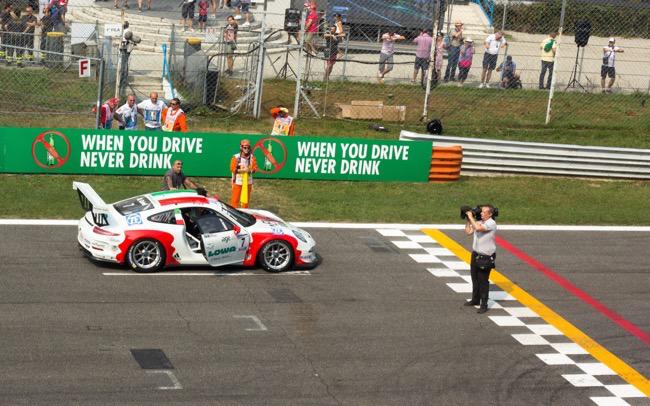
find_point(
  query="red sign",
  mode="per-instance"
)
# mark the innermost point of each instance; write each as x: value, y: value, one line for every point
x: 52, y: 158
x: 273, y: 158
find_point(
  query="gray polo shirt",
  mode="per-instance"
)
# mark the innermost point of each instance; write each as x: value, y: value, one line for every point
x: 484, y: 241
x: 178, y: 180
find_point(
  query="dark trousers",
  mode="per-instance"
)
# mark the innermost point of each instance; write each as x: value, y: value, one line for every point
x: 452, y: 63
x: 480, y: 282
x: 546, y: 66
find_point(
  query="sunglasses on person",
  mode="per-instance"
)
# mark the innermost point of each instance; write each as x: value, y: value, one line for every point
x: 173, y: 104
x: 245, y: 146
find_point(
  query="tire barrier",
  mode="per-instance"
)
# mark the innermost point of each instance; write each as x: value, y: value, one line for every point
x: 446, y: 163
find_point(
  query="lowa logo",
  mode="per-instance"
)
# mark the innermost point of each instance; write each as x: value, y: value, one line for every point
x: 221, y: 251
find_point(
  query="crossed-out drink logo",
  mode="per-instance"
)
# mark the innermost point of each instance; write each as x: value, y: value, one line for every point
x: 271, y: 155
x: 51, y: 149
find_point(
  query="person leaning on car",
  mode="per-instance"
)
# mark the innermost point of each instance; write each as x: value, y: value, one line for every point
x: 176, y: 179
x: 484, y: 250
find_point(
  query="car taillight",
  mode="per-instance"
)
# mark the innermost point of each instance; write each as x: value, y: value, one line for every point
x: 99, y: 230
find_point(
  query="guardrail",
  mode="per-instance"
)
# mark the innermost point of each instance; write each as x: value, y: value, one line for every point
x: 482, y: 156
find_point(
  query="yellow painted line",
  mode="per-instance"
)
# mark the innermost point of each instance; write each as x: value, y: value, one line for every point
x: 629, y: 374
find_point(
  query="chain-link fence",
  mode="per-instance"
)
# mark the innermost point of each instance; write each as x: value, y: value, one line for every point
x: 463, y: 62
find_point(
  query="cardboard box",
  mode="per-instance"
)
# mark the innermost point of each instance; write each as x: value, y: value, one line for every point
x: 371, y: 110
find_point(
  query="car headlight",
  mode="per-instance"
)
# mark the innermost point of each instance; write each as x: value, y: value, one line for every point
x: 299, y: 235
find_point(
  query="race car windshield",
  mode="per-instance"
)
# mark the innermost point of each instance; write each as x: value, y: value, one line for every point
x: 242, y: 218
x: 133, y: 205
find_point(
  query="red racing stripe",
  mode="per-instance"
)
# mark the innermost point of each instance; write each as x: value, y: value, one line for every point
x: 576, y: 291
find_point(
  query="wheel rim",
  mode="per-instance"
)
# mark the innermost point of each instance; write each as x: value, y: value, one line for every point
x: 277, y: 255
x: 146, y: 254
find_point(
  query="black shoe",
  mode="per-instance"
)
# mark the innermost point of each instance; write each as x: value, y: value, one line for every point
x: 470, y: 303
x: 482, y: 310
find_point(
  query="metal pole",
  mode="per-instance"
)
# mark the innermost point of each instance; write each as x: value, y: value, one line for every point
x: 432, y: 60
x: 345, y: 54
x: 259, y: 79
x: 100, y: 90
x: 582, y: 57
x: 557, y: 59
x: 296, y: 102
x: 503, y: 26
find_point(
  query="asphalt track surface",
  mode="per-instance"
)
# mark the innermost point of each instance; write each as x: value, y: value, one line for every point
x: 369, y: 326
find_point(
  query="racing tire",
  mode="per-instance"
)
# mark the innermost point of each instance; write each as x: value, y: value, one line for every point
x: 146, y: 256
x: 275, y: 256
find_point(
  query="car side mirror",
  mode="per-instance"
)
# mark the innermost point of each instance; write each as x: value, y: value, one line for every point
x: 237, y: 229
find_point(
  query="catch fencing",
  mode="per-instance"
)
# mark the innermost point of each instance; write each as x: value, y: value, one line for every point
x: 273, y: 64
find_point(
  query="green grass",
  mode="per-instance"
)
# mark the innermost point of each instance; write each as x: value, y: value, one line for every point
x: 521, y: 200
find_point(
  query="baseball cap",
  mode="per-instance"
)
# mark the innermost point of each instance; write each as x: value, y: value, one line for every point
x: 244, y: 142
x: 611, y: 39
x: 469, y: 40
x: 458, y: 22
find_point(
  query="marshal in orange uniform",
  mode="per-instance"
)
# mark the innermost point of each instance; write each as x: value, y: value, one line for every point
x: 173, y: 117
x: 283, y: 124
x: 242, y: 166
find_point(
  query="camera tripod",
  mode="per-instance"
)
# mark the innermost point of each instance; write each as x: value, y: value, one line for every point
x: 284, y: 70
x: 573, y: 79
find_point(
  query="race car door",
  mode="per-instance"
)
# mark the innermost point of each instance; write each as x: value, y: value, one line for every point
x: 223, y: 242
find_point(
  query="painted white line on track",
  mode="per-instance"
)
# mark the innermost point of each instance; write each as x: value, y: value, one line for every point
x: 257, y: 321
x: 387, y: 226
x: 291, y: 273
x: 172, y: 377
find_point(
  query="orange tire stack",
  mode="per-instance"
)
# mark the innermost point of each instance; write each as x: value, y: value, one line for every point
x: 446, y: 163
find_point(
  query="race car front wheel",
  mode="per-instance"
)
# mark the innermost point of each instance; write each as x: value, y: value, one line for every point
x: 146, y: 256
x: 276, y: 256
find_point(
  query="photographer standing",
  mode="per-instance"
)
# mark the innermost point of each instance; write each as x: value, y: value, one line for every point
x: 483, y: 254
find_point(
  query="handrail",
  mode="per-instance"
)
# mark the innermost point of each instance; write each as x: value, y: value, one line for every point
x: 482, y: 156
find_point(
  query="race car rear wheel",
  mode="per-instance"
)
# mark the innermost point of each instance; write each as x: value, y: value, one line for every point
x: 146, y: 256
x: 276, y: 256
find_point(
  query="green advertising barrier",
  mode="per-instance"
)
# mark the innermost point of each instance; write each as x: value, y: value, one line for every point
x: 109, y: 152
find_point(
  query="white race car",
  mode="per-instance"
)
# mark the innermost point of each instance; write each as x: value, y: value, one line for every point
x: 181, y: 227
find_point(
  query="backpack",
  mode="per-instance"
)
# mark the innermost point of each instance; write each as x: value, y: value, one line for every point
x: 549, y: 45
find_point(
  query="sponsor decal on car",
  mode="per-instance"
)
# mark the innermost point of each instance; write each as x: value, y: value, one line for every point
x: 133, y: 219
x: 221, y: 251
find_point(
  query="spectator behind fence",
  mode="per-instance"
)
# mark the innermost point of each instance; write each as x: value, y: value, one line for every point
x: 509, y: 71
x: 242, y: 166
x: 61, y: 9
x: 608, y: 69
x: 127, y: 114
x: 5, y: 38
x: 422, y: 54
x: 47, y: 25
x: 311, y: 29
x: 203, y: 14
x: 13, y: 33
x: 28, y: 22
x: 330, y: 51
x: 438, y: 58
x: 466, y: 56
x: 187, y: 15
x: 175, y: 178
x: 283, y: 124
x: 548, y: 48
x: 244, y: 8
x: 173, y: 117
x: 148, y: 5
x: 493, y: 43
x: 107, y: 113
x: 230, y: 40
x: 386, y: 53
x: 151, y: 111
x: 455, y: 40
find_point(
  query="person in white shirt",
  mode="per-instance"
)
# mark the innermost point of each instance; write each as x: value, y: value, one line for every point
x: 493, y: 43
x: 608, y: 69
x: 151, y: 110
x: 127, y: 114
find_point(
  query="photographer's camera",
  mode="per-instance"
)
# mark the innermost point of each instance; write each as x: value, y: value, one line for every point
x: 476, y: 211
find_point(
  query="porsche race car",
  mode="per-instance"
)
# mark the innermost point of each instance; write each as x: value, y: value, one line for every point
x: 182, y: 227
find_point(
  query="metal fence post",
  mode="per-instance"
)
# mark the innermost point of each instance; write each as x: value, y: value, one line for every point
x: 259, y: 77
x: 296, y: 103
x: 432, y: 59
x: 100, y: 91
x: 557, y: 59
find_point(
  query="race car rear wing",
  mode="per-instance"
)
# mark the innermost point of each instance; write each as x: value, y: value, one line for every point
x: 90, y: 201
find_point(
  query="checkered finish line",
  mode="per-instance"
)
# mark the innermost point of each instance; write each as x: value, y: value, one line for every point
x: 505, y: 311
